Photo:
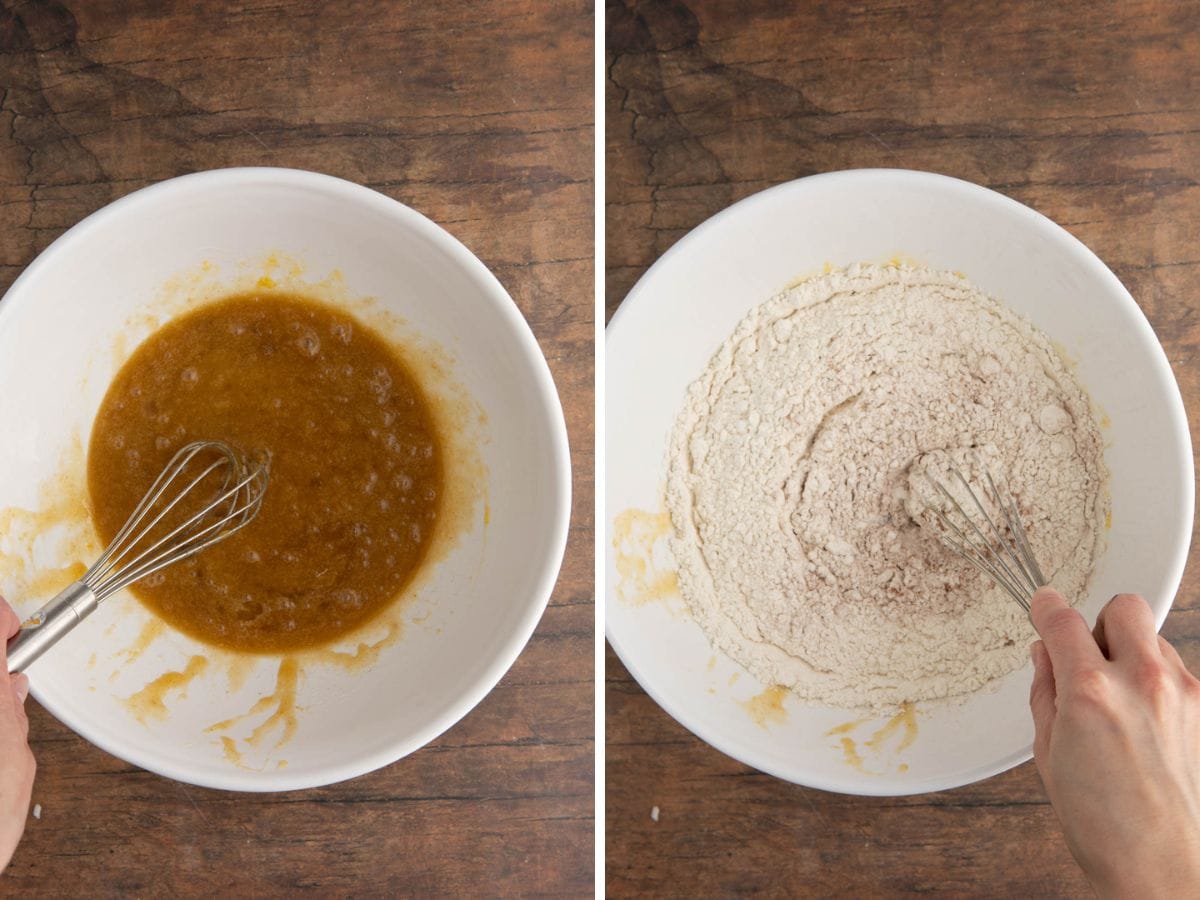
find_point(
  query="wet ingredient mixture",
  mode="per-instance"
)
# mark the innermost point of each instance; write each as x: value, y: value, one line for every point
x: 792, y: 474
x: 356, y: 467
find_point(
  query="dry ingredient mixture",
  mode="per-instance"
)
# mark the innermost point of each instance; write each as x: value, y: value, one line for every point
x: 794, y: 473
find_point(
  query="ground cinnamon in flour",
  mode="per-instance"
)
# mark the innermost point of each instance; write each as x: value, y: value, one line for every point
x: 790, y: 484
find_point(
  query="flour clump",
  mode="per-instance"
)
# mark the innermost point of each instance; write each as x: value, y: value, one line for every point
x: 797, y: 527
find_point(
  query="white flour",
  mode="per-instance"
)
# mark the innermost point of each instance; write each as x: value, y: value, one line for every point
x: 789, y: 485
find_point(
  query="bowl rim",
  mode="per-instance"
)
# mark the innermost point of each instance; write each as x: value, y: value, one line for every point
x: 639, y: 294
x: 547, y: 401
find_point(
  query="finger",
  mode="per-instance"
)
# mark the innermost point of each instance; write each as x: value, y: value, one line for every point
x: 1170, y: 654
x: 11, y: 700
x: 9, y: 620
x: 20, y: 689
x: 1127, y: 627
x: 1042, y: 695
x: 1068, y: 641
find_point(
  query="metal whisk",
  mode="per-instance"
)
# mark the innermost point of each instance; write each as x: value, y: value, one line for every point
x: 998, y: 546
x: 152, y: 539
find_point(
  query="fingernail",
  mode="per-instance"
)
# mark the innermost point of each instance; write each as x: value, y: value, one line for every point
x: 21, y: 686
x: 1035, y: 656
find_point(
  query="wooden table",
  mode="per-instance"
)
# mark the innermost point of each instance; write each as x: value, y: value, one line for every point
x: 478, y: 115
x: 1084, y: 111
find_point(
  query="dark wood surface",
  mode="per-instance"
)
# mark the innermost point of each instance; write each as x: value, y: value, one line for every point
x: 1085, y: 111
x: 478, y: 115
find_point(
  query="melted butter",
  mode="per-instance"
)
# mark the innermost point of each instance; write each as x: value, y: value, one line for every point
x: 850, y: 755
x: 49, y: 582
x: 284, y: 700
x: 640, y: 580
x: 882, y: 745
x: 825, y: 269
x: 365, y: 655
x: 903, y: 260
x: 150, y: 701
x: 1069, y: 361
x: 357, y: 469
x: 905, y: 722
x: 460, y: 421
x: 237, y: 670
x: 845, y: 727
x: 229, y: 748
x: 767, y: 708
x: 151, y: 631
x: 281, y: 704
x: 58, y: 532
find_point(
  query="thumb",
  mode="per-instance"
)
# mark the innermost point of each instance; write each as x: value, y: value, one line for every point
x: 1042, y: 694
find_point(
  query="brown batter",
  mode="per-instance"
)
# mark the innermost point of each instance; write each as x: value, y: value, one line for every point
x: 356, y: 467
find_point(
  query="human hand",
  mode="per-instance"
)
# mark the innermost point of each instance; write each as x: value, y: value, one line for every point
x: 17, y: 765
x: 1117, y: 735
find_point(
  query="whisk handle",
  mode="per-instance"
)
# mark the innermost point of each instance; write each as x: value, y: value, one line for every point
x: 42, y: 630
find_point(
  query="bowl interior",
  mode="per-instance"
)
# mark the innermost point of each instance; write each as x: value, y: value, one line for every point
x: 70, y: 321
x: 690, y: 301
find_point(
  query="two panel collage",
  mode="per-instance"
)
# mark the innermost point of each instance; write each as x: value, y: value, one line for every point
x: 656, y: 448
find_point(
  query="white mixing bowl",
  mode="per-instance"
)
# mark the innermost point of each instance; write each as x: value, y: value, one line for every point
x: 685, y: 306
x: 133, y: 687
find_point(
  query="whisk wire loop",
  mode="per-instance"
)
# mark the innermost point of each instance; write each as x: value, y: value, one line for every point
x: 164, y: 552
x: 1000, y: 549
x: 125, y: 539
x: 137, y: 551
x: 1000, y: 538
x: 968, y: 548
x: 1017, y: 530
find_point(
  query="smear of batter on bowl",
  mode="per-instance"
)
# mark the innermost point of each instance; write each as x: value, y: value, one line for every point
x: 879, y: 746
x: 791, y: 477
x: 767, y: 707
x: 642, y: 575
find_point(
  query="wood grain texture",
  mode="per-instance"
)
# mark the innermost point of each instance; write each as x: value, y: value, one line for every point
x: 478, y: 115
x: 1088, y: 113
